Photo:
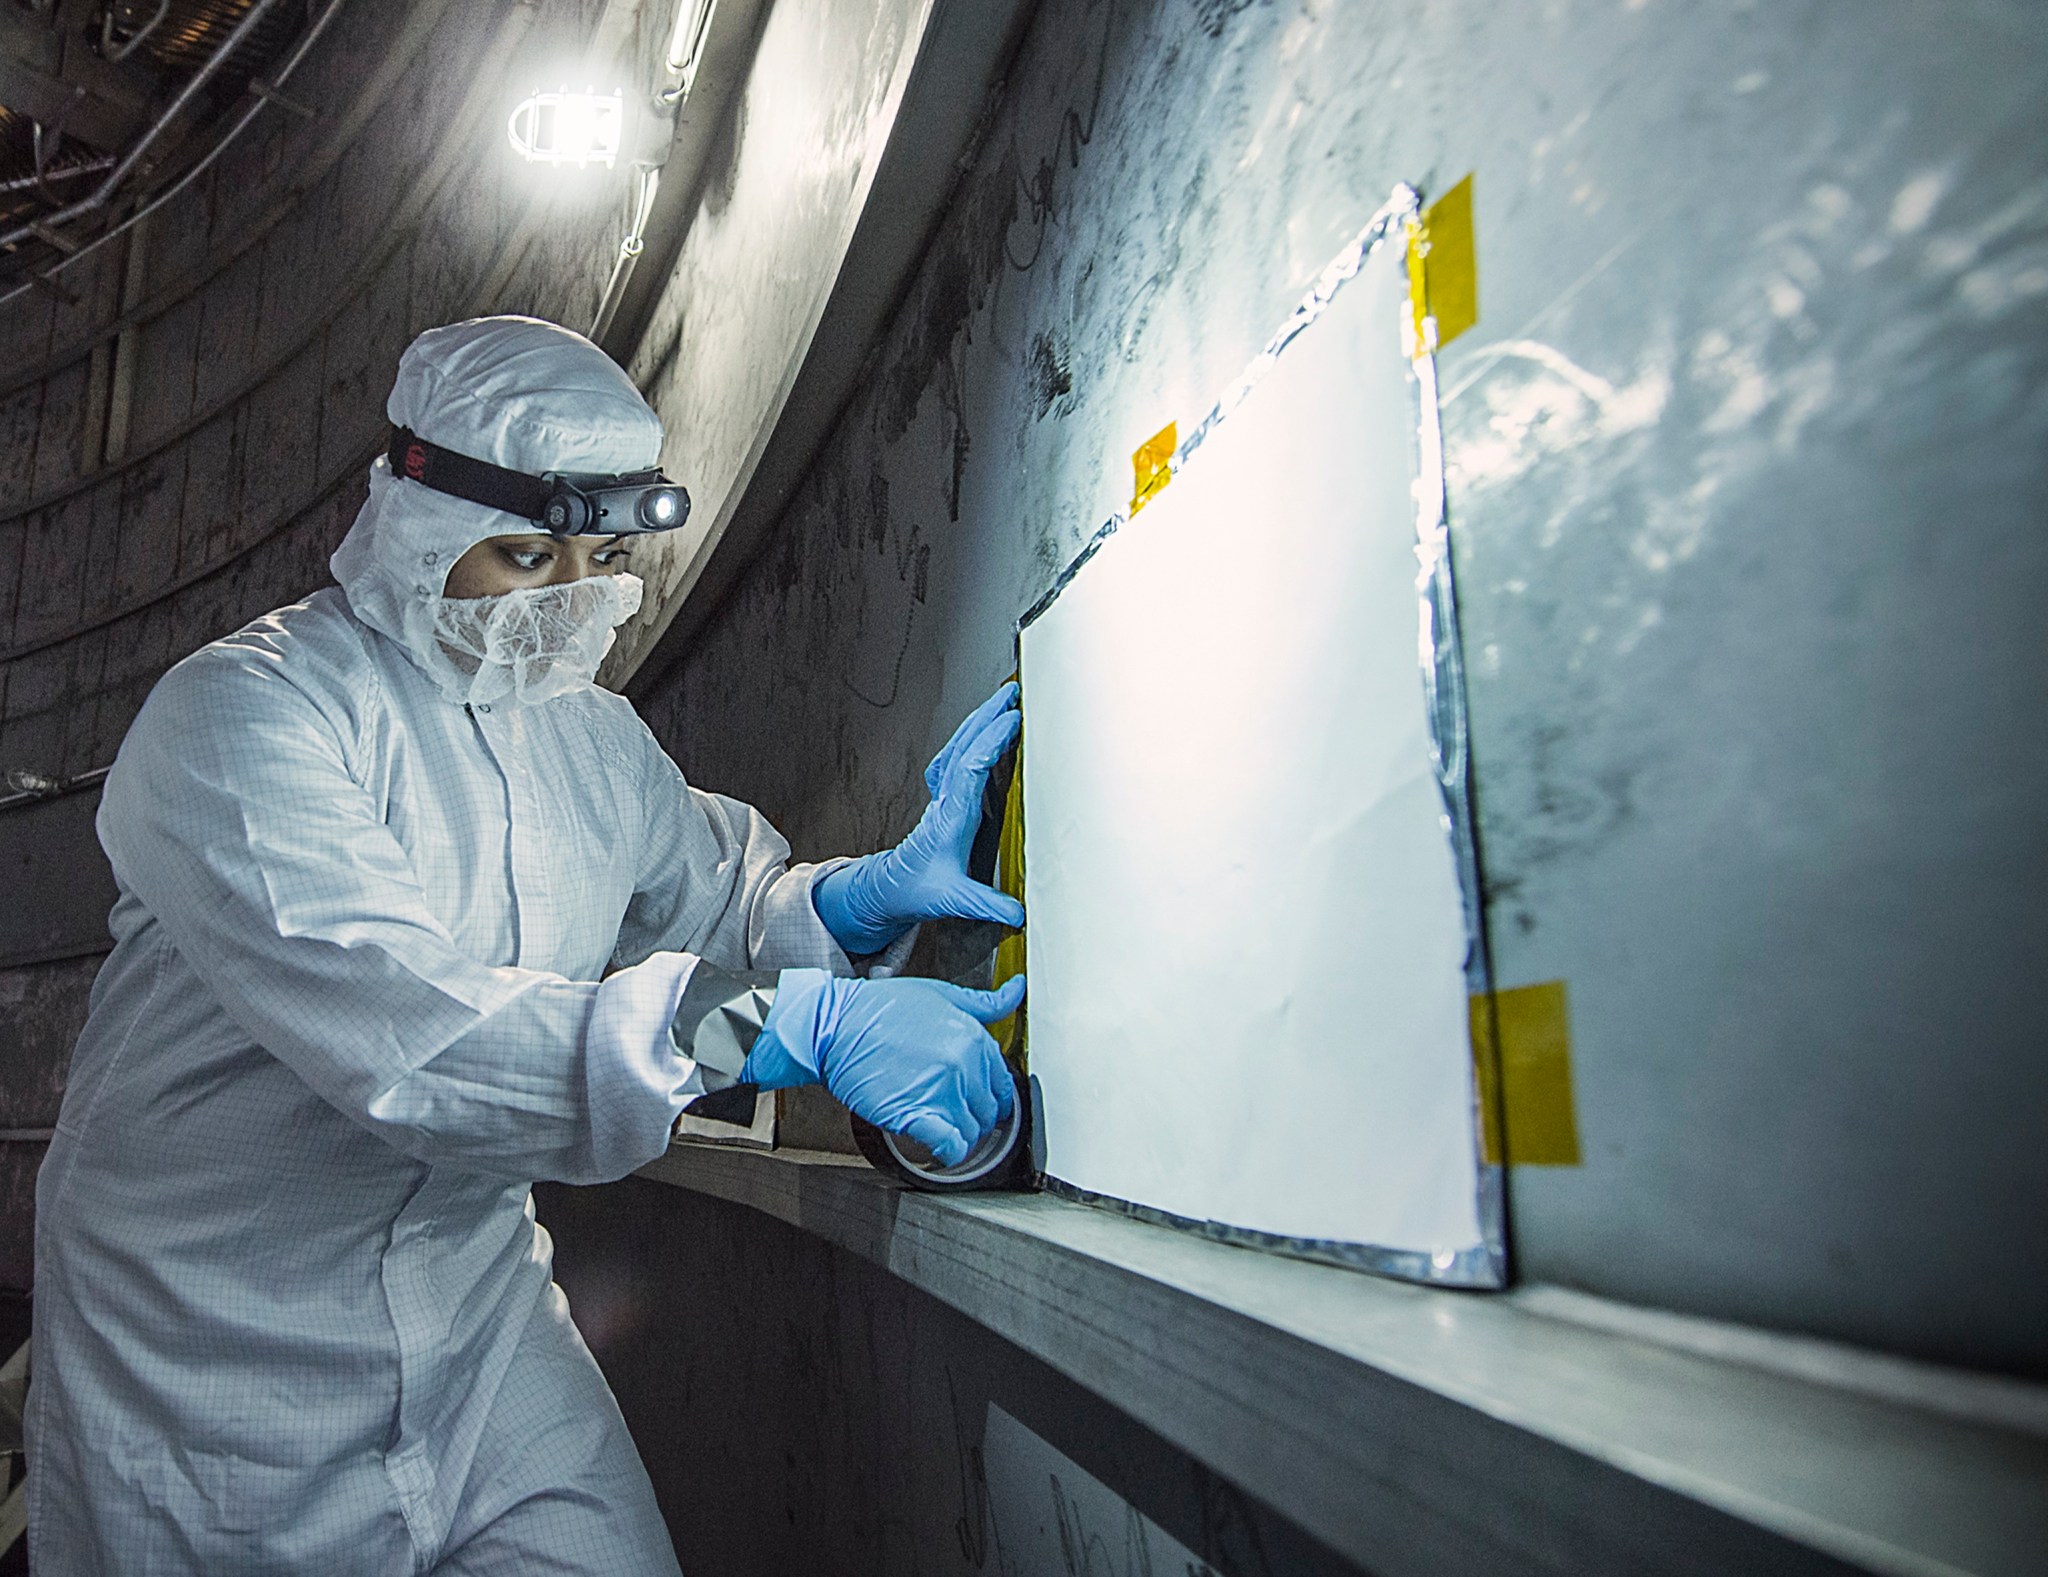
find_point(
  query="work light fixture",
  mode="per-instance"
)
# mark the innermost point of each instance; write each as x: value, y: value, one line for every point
x: 561, y: 128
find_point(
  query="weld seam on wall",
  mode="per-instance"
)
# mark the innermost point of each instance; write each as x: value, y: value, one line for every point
x: 357, y: 464
x: 68, y: 953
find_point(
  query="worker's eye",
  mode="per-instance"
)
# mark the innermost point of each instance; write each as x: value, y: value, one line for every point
x: 527, y: 560
x: 619, y: 556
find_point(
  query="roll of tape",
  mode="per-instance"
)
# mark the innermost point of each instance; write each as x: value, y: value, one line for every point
x: 1002, y: 1159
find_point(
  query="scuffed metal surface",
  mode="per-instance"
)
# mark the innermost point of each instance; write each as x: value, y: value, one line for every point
x: 1746, y: 464
x: 60, y: 888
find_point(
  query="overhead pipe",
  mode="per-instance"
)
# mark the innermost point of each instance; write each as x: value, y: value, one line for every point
x: 47, y: 277
x: 69, y: 172
x: 688, y: 37
x: 31, y: 788
x: 629, y: 253
x: 118, y: 53
x: 686, y: 48
x: 191, y: 90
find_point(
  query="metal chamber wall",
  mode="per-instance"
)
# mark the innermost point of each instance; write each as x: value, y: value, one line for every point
x: 1746, y: 465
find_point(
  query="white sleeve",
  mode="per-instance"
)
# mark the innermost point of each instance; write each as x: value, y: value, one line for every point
x: 715, y: 880
x: 232, y: 816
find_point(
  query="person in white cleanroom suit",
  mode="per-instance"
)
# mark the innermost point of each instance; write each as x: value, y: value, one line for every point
x: 410, y: 916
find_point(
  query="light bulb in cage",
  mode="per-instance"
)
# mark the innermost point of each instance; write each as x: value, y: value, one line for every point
x: 562, y: 127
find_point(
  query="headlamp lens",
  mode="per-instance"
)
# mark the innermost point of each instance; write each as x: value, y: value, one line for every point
x: 660, y: 509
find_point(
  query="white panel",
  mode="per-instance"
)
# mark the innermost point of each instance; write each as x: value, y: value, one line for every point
x: 1245, y: 945
x: 1050, y: 1517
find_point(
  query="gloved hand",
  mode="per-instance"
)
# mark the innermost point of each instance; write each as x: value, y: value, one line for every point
x: 867, y: 904
x: 909, y: 1055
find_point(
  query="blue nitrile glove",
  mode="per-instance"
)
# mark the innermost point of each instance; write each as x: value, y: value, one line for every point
x: 867, y: 904
x: 909, y: 1055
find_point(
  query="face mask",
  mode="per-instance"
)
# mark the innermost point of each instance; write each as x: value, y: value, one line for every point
x: 525, y: 646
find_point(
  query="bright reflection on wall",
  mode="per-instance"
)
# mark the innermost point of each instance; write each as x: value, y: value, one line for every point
x: 565, y: 128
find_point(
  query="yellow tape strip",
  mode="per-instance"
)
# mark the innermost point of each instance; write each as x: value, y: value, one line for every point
x: 1443, y: 272
x: 1522, y: 1051
x: 1010, y: 879
x: 1415, y: 327
x: 1152, y: 465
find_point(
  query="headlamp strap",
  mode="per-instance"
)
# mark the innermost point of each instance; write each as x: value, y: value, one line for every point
x: 458, y: 475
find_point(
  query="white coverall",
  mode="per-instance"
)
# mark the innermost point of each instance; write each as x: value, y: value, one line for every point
x: 293, y: 1312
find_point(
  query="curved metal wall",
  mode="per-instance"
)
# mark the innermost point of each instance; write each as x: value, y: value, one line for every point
x: 1746, y: 466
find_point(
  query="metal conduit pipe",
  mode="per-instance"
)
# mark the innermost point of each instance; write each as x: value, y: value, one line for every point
x: 135, y: 39
x: 32, y: 790
x: 399, y: 228
x: 629, y: 254
x: 191, y: 90
x: 420, y: 17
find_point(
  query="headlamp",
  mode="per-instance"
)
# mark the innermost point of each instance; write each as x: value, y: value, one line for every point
x: 579, y: 504
x: 561, y: 503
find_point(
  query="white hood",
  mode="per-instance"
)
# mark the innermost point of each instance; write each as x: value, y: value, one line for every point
x: 515, y: 391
